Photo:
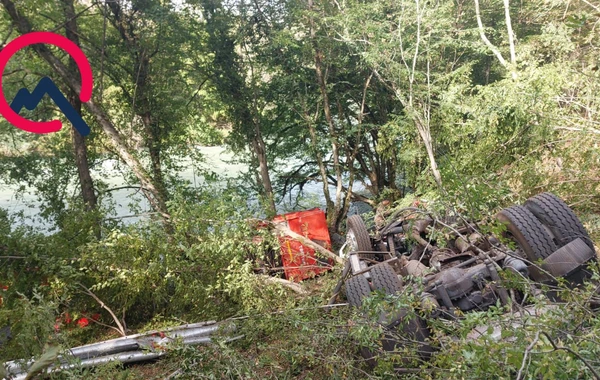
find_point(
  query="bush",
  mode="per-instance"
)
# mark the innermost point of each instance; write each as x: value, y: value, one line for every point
x: 196, y: 268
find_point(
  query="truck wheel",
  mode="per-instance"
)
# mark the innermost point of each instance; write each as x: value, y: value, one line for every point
x: 562, y: 222
x: 408, y: 331
x: 528, y: 232
x: 402, y: 329
x: 385, y: 278
x: 357, y: 288
x: 402, y: 332
x: 357, y: 235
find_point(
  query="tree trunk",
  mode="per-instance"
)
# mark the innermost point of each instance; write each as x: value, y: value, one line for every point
x: 352, y: 156
x: 79, y: 146
x: 85, y: 179
x: 141, y: 101
x: 154, y: 145
x: 332, y: 135
x: 233, y: 88
x: 332, y: 215
x: 511, y: 40
x: 425, y: 134
x: 150, y: 191
x: 258, y: 145
x: 320, y: 163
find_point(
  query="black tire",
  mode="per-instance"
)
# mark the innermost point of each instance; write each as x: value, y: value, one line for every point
x: 408, y: 331
x: 528, y: 232
x: 357, y: 288
x: 356, y: 226
x: 385, y: 278
x: 562, y: 222
x: 402, y: 331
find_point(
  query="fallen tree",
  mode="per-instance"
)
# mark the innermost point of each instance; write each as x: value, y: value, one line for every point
x: 283, y: 230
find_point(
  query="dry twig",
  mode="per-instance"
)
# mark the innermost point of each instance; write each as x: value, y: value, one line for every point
x: 526, y: 355
x: 120, y: 328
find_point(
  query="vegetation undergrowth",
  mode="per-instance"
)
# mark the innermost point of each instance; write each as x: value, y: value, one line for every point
x: 153, y: 280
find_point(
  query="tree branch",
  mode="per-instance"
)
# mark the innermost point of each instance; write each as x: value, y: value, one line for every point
x: 485, y: 39
x: 511, y: 35
x: 590, y: 130
x: 307, y: 242
x: 138, y: 188
x: 121, y: 330
x: 297, y: 288
x: 572, y: 352
x: 526, y: 354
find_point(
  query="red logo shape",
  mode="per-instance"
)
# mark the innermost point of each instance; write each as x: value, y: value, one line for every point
x: 52, y: 39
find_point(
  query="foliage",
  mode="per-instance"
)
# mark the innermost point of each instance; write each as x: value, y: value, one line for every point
x: 138, y: 271
x: 259, y: 77
x: 295, y: 343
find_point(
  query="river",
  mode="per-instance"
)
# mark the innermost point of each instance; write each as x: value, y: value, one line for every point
x: 217, y: 159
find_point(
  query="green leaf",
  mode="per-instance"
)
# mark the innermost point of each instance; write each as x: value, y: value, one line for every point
x: 45, y: 361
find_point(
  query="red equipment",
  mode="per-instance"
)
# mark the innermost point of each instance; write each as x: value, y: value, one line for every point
x: 299, y: 261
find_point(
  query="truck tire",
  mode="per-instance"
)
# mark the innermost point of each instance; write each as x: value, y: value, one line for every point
x: 357, y: 288
x: 385, y: 278
x: 402, y: 329
x: 528, y: 232
x: 357, y: 235
x: 562, y: 222
x: 408, y: 331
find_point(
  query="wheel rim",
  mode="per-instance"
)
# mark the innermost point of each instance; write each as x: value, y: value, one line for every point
x: 351, y: 240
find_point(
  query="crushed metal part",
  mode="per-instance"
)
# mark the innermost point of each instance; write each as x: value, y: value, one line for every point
x: 460, y: 268
x: 129, y: 349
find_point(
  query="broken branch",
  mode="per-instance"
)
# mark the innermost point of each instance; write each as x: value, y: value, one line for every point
x: 307, y: 242
x: 120, y: 328
x: 297, y: 288
x: 526, y: 354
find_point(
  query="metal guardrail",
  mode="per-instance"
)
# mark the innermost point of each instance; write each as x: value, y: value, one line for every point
x: 129, y: 349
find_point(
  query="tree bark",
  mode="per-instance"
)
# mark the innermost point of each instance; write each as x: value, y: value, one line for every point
x: 322, y: 169
x: 332, y: 214
x: 141, y: 101
x: 150, y: 191
x: 258, y: 145
x: 79, y: 146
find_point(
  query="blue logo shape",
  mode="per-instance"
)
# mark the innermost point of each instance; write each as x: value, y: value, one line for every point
x: 30, y: 100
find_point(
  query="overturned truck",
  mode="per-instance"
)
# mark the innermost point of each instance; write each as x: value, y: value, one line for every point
x: 458, y: 268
